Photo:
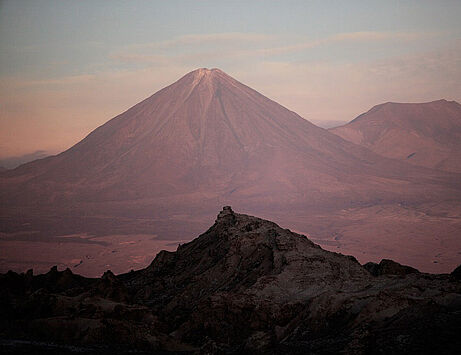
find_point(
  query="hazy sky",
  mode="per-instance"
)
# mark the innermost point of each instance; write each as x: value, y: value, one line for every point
x: 66, y: 67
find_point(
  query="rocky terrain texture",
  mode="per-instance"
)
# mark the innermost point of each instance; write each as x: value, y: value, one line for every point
x: 244, y: 286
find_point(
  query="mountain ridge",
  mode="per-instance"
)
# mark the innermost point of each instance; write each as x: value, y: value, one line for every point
x: 425, y: 134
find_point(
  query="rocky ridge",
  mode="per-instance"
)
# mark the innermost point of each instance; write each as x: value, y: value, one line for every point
x: 246, y: 285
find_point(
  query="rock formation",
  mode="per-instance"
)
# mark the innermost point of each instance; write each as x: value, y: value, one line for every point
x: 244, y: 286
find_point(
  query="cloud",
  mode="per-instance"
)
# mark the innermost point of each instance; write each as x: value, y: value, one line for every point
x: 341, y: 91
x: 207, y: 38
x: 151, y: 59
x: 340, y: 38
x: 378, y: 36
x: 197, y: 47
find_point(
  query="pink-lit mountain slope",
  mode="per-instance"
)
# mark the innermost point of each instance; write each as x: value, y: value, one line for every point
x: 426, y: 134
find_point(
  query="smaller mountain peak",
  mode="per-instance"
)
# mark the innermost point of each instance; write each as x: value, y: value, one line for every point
x: 399, y: 104
x: 445, y: 102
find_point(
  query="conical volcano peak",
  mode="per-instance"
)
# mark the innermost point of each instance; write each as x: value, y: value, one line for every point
x: 208, y: 77
x: 201, y: 72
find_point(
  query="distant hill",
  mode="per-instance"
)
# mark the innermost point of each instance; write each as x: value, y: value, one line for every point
x: 328, y: 123
x: 13, y: 162
x: 425, y: 134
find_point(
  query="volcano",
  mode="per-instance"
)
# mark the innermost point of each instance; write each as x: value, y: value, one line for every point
x: 163, y: 166
x: 426, y: 134
x: 206, y: 135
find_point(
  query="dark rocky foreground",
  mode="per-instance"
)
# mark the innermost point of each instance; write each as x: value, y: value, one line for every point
x: 244, y: 286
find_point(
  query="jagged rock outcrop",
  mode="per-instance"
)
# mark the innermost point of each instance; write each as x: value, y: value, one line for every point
x: 389, y: 267
x: 457, y: 272
x: 246, y: 285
